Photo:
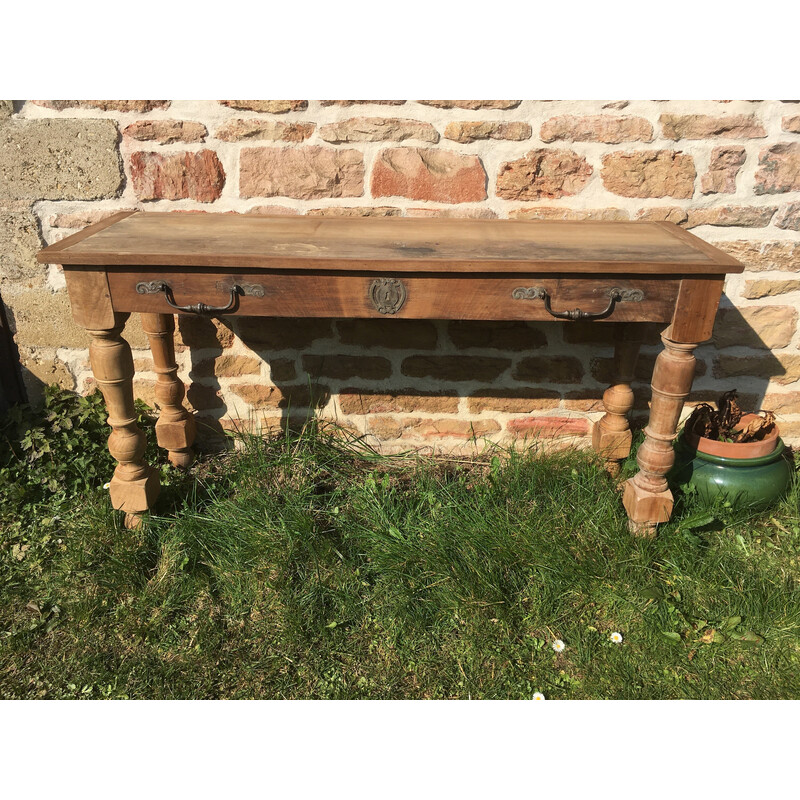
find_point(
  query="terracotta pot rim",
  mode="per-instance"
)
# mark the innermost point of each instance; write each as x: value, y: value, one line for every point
x: 737, y: 463
x: 712, y: 447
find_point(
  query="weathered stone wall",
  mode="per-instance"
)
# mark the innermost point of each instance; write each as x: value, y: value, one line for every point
x: 730, y: 171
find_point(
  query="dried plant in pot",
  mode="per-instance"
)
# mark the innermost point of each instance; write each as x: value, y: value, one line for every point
x: 727, y: 453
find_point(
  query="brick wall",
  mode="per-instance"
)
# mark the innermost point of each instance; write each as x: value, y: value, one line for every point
x: 728, y: 170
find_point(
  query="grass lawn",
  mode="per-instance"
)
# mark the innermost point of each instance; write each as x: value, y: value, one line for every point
x: 311, y: 567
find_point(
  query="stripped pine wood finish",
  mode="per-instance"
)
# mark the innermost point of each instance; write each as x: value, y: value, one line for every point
x: 403, y: 268
x: 397, y: 243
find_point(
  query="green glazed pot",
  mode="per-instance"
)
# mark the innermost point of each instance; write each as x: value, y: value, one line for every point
x: 756, y: 482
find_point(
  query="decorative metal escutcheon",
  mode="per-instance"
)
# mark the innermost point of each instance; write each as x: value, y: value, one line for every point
x: 528, y: 293
x: 615, y: 295
x: 388, y: 295
x: 236, y: 289
x: 247, y: 289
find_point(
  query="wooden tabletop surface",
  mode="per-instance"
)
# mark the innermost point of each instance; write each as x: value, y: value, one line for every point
x: 389, y: 243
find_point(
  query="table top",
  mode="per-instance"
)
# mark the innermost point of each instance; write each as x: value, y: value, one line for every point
x: 402, y: 244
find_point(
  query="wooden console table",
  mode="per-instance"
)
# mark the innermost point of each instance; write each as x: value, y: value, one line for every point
x: 391, y: 268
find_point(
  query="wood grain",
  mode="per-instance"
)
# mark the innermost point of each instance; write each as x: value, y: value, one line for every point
x: 695, y: 309
x: 442, y: 296
x: 90, y: 298
x: 75, y: 238
x: 402, y: 244
x: 611, y: 435
x: 450, y: 269
x: 175, y: 429
x: 704, y: 247
x: 646, y: 496
x: 135, y: 485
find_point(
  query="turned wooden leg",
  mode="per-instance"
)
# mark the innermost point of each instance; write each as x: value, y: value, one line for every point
x: 647, y: 497
x: 611, y: 436
x: 135, y: 485
x: 175, y: 429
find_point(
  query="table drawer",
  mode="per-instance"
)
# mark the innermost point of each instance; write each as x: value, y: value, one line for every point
x: 402, y: 295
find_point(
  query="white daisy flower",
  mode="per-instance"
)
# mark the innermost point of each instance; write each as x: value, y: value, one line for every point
x: 616, y: 638
x: 558, y: 645
x: 538, y: 696
x: 106, y: 485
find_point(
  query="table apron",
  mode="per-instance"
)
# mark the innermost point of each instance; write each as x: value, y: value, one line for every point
x: 404, y: 296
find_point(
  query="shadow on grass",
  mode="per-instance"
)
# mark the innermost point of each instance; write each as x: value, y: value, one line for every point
x: 310, y: 566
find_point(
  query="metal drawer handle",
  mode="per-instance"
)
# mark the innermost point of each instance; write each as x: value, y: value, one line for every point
x: 615, y: 295
x: 576, y: 313
x: 153, y: 287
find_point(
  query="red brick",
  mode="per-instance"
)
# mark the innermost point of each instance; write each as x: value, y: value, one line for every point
x: 584, y: 400
x: 235, y: 425
x: 549, y: 427
x: 781, y: 369
x: 605, y: 128
x: 347, y: 103
x: 649, y: 173
x: 268, y: 106
x: 455, y: 368
x: 455, y: 428
x: 261, y: 395
x: 345, y: 366
x: 367, y: 401
x: 789, y: 429
x: 406, y: 334
x: 594, y: 334
x: 722, y: 171
x: 791, y: 124
x: 455, y: 213
x: 513, y: 401
x: 166, y: 131
x: 674, y: 214
x: 378, y: 129
x: 496, y: 335
x: 236, y: 130
x: 543, y: 173
x: 203, y: 398
x: 760, y: 256
x: 355, y: 211
x: 282, y: 334
x: 778, y: 169
x: 305, y: 173
x: 138, y: 106
x: 553, y: 212
x: 468, y: 132
x: 755, y: 290
x: 548, y: 369
x: 282, y: 370
x: 602, y: 368
x: 202, y: 332
x: 177, y: 176
x: 273, y: 211
x: 789, y: 217
x: 228, y: 366
x: 471, y: 105
x: 704, y: 126
x: 428, y: 174
x: 731, y: 216
x: 761, y: 327
x: 782, y: 402
x: 385, y: 428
